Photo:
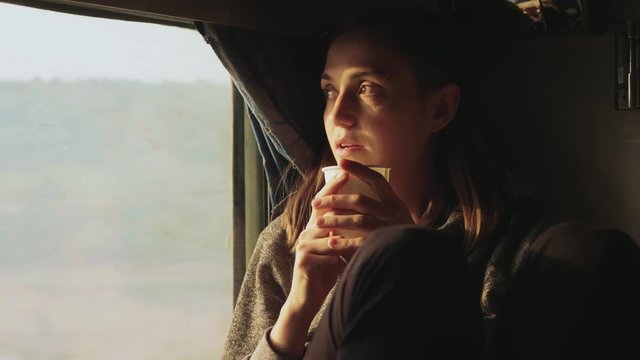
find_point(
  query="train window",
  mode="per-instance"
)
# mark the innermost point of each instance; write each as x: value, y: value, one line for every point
x: 115, y: 219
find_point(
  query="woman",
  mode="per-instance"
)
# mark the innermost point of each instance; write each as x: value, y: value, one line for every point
x: 397, y: 95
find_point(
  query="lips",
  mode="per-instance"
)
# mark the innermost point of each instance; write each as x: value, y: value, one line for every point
x: 346, y: 147
x: 346, y: 144
x: 349, y: 146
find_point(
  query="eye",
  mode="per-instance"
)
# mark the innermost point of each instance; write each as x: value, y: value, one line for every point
x: 364, y: 89
x: 368, y: 89
x: 329, y: 93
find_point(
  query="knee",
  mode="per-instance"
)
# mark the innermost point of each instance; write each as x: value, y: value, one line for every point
x: 411, y: 240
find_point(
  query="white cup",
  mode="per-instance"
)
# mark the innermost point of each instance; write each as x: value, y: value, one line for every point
x: 354, y: 186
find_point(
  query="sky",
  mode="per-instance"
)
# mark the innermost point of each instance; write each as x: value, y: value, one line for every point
x: 44, y: 44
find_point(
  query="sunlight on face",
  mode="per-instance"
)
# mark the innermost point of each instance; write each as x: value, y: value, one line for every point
x: 374, y: 112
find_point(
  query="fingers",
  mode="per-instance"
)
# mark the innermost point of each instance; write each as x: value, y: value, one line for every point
x: 313, y: 251
x: 346, y: 247
x: 357, y: 221
x: 329, y: 188
x: 349, y: 203
x: 339, y: 212
x: 333, y: 185
x: 315, y: 241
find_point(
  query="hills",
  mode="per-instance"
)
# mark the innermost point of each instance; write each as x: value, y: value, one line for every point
x: 113, y: 171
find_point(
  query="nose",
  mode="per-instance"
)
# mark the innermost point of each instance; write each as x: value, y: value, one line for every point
x: 343, y: 111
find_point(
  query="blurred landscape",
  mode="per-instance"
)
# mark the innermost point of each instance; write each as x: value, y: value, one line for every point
x: 115, y: 219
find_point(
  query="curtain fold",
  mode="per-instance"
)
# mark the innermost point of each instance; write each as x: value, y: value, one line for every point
x: 278, y: 76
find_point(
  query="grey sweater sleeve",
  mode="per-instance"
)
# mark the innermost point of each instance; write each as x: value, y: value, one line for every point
x: 264, y: 289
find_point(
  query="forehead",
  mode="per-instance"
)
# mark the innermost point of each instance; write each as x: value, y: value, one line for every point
x: 362, y: 51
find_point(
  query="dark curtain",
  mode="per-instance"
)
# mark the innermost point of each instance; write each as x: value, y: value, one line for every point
x: 278, y: 76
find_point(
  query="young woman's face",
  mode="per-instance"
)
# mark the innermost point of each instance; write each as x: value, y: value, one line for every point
x: 375, y: 112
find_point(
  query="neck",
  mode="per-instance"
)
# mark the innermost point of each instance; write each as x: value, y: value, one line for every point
x: 415, y: 184
x: 415, y: 188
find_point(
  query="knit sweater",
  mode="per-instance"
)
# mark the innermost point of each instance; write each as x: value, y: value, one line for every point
x: 264, y: 289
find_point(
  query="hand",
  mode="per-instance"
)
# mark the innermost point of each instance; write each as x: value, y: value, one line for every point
x: 317, y: 265
x: 316, y: 269
x: 360, y: 212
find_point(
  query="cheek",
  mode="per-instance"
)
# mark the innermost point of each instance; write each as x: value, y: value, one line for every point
x: 401, y: 137
x: 388, y: 140
x: 327, y: 129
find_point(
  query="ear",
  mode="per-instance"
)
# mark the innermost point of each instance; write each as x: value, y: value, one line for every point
x: 446, y: 100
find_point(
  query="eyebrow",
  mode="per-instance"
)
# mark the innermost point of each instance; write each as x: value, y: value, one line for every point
x: 359, y: 74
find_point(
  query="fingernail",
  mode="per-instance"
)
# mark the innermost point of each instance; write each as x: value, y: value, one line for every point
x: 316, y: 202
x: 333, y: 242
x: 319, y: 221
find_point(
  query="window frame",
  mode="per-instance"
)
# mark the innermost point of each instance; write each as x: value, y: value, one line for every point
x: 250, y: 192
x: 78, y: 8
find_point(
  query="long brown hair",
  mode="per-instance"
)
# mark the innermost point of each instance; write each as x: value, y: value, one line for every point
x: 471, y: 171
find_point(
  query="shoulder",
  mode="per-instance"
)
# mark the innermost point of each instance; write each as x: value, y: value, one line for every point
x: 582, y: 246
x: 272, y: 239
x: 535, y: 246
x: 272, y: 257
x: 533, y: 231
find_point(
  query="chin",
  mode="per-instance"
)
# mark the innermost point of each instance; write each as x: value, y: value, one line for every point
x: 361, y: 159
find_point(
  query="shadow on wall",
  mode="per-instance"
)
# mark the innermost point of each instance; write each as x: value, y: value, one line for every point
x: 555, y: 97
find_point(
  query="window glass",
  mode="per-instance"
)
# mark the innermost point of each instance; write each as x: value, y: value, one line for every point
x: 115, y: 163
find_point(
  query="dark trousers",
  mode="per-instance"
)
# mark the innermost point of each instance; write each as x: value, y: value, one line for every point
x: 406, y: 294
